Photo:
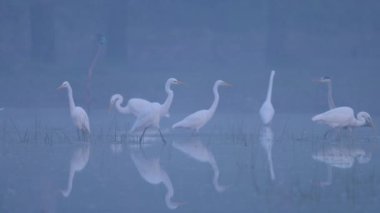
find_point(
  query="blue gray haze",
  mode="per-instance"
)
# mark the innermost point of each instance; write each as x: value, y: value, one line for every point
x: 234, y: 163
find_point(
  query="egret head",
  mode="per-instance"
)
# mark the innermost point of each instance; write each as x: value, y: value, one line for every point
x: 115, y: 98
x: 171, y: 81
x: 367, y: 118
x: 323, y: 79
x: 65, y: 84
x: 222, y: 83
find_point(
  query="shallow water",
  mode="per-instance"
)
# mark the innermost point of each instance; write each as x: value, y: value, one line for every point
x: 233, y: 165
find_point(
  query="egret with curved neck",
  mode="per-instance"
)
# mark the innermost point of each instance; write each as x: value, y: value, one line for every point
x: 198, y: 119
x: 136, y: 106
x: 343, y: 117
x: 78, y: 114
x: 267, y: 110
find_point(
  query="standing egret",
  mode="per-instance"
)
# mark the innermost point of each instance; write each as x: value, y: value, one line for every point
x: 148, y: 118
x: 340, y: 117
x: 267, y: 110
x: 137, y: 105
x: 78, y: 114
x: 327, y: 80
x: 198, y: 119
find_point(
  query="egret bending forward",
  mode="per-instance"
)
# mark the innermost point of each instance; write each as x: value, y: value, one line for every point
x: 198, y: 119
x: 147, y: 114
x: 343, y: 117
x: 136, y: 106
x: 78, y: 114
x: 267, y: 110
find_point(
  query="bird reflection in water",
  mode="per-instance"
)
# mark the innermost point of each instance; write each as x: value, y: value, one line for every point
x: 195, y: 149
x: 151, y: 171
x: 266, y: 140
x: 78, y: 162
x: 342, y: 157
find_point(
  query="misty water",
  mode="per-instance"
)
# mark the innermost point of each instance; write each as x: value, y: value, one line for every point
x: 234, y: 164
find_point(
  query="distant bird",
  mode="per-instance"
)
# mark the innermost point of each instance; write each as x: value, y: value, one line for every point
x: 78, y: 114
x: 198, y: 119
x: 267, y: 110
x: 152, y: 172
x: 343, y: 117
x: 136, y: 106
x: 327, y: 80
x: 78, y: 162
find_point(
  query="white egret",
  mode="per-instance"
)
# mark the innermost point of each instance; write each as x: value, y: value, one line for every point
x: 148, y: 118
x: 196, y: 150
x: 152, y: 172
x: 78, y: 162
x: 267, y: 110
x: 78, y: 114
x: 343, y: 117
x: 198, y: 119
x: 327, y: 80
x: 137, y: 105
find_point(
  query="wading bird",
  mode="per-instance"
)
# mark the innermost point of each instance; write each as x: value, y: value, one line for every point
x: 267, y: 110
x: 78, y: 114
x: 148, y: 114
x: 343, y: 117
x: 327, y: 80
x: 198, y: 119
x: 136, y: 106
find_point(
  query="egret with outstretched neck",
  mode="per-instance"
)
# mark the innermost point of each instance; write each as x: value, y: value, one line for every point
x: 330, y: 100
x: 78, y: 114
x: 267, y: 110
x: 198, y: 119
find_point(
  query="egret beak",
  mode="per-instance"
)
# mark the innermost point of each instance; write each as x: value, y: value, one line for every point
x: 180, y: 82
x: 60, y: 87
x: 227, y: 84
x: 317, y: 80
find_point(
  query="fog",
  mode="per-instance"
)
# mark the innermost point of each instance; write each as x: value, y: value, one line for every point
x: 45, y: 42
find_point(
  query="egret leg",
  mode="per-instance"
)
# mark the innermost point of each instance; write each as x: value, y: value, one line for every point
x: 162, y: 137
x: 327, y: 133
x: 142, y: 136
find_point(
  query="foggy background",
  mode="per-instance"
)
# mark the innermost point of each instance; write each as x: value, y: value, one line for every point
x: 45, y: 42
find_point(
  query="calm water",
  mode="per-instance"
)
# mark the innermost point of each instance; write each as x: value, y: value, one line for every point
x: 233, y: 165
